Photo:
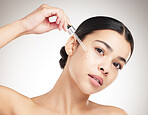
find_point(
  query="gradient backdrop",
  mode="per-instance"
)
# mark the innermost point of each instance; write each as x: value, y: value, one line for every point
x: 29, y: 64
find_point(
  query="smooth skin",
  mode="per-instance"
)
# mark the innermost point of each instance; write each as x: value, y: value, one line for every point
x: 70, y: 94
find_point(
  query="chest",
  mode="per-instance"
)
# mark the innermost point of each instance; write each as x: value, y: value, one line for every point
x: 45, y: 112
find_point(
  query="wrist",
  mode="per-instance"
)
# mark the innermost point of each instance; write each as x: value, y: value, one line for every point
x: 22, y: 26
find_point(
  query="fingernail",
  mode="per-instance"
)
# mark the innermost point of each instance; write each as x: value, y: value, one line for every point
x: 66, y: 28
x: 69, y: 23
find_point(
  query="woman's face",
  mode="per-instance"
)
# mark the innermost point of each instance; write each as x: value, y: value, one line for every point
x: 107, y: 52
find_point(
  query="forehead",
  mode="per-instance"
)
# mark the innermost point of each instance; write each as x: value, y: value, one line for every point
x: 115, y: 40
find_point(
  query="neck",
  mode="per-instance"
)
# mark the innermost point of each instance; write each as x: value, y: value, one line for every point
x: 66, y: 95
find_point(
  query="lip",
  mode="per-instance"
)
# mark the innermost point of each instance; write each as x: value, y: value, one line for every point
x: 99, y: 78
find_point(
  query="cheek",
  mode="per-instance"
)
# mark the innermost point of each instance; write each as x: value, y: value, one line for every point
x: 111, y: 78
x: 77, y: 63
x: 93, y: 60
x: 85, y: 62
x: 81, y: 64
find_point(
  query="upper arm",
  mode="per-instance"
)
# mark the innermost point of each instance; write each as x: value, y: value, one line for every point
x: 9, y: 99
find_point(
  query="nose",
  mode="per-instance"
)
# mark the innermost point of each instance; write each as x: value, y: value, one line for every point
x: 103, y: 70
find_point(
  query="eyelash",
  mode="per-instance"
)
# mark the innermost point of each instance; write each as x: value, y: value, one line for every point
x: 99, y: 49
x: 115, y: 64
x: 120, y: 67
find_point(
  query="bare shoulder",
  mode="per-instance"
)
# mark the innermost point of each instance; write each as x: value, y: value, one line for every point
x: 11, y: 100
x: 116, y: 111
x: 109, y: 110
x: 11, y: 95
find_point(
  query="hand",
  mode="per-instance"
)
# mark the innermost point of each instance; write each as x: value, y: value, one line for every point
x: 38, y: 22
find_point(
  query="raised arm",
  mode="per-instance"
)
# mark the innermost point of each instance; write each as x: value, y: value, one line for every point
x: 36, y: 22
x: 10, y: 32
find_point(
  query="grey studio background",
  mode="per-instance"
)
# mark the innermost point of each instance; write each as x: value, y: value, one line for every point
x: 29, y: 64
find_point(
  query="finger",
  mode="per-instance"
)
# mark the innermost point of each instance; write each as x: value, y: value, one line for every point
x: 52, y: 12
x: 53, y: 25
x: 62, y: 20
x: 58, y: 13
x: 61, y: 23
x: 68, y: 20
x: 65, y: 24
x: 58, y: 20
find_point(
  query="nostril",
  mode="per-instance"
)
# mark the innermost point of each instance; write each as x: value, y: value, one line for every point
x: 101, y: 69
x: 106, y: 73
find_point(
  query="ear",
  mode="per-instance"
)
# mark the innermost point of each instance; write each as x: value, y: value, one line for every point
x: 71, y: 45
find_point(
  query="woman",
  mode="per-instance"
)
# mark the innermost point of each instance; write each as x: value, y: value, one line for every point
x: 109, y: 46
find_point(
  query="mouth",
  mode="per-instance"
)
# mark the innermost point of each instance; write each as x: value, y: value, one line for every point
x: 96, y: 80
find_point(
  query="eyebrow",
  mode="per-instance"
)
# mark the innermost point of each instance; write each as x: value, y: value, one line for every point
x: 109, y: 48
x: 121, y: 58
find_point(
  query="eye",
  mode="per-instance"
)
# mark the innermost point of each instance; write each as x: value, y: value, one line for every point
x: 100, y: 51
x: 117, y: 65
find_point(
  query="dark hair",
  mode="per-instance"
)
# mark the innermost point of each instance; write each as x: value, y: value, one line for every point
x: 99, y: 23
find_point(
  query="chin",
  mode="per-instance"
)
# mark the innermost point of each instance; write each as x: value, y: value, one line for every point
x: 88, y: 90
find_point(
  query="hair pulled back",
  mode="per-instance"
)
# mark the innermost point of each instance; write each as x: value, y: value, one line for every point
x: 99, y: 23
